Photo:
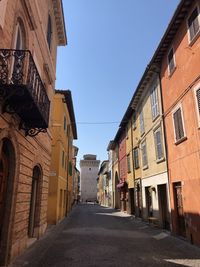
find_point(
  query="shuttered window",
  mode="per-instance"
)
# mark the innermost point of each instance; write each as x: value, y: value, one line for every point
x: 141, y: 123
x: 171, y: 62
x: 178, y: 124
x: 134, y: 120
x: 128, y: 163
x: 49, y: 32
x: 193, y: 24
x: 136, y: 158
x: 154, y: 103
x: 198, y: 99
x: 144, y: 154
x: 158, y: 143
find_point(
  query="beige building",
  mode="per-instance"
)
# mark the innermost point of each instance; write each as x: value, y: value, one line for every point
x: 89, y: 167
x: 64, y: 131
x: 151, y: 178
x: 30, y: 32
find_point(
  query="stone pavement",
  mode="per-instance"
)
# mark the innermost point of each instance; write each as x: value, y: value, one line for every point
x: 97, y: 236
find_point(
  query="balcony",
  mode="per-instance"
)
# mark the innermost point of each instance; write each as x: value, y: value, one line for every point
x: 22, y: 91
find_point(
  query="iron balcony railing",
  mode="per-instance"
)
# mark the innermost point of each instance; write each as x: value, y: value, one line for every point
x: 19, y: 77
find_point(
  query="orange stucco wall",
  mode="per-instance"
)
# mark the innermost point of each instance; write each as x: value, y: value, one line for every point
x: 184, y: 158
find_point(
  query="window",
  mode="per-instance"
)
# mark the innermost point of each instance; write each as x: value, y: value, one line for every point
x: 134, y: 121
x: 158, y: 143
x: 127, y: 128
x: 141, y: 123
x: 198, y: 103
x: 128, y: 163
x: 63, y: 158
x: 136, y: 158
x: 49, y: 31
x: 65, y: 124
x: 178, y: 125
x: 154, y: 103
x: 144, y: 155
x: 193, y: 24
x: 171, y: 61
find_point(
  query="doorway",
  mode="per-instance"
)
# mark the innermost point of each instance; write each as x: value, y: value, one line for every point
x: 178, y: 206
x: 7, y: 172
x: 163, y: 206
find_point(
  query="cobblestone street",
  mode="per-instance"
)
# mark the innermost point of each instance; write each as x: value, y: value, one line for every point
x: 98, y: 236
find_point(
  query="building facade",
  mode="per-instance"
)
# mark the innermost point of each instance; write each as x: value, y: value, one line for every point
x: 30, y: 32
x: 180, y: 81
x: 103, y: 184
x: 64, y: 131
x: 149, y: 151
x: 89, y: 167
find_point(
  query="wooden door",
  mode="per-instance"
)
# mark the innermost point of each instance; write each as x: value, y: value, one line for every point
x: 178, y: 202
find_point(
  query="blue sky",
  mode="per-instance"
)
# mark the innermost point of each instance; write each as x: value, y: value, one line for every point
x: 110, y: 42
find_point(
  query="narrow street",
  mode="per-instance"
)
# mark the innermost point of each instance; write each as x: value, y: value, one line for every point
x: 98, y: 236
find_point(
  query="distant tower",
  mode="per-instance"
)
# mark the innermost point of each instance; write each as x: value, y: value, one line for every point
x: 89, y: 168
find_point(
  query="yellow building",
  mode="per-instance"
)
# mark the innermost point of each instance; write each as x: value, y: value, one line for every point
x: 151, y: 178
x: 63, y: 133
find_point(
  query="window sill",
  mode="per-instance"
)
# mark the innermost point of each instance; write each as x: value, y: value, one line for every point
x: 134, y: 127
x: 145, y: 167
x: 136, y: 168
x: 160, y: 160
x: 142, y: 134
x: 181, y: 140
x: 128, y: 171
x: 171, y: 72
x: 194, y: 38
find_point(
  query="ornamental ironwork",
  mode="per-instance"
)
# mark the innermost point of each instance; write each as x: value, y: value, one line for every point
x: 22, y: 90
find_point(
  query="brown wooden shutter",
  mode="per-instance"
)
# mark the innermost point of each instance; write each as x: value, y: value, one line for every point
x: 198, y: 99
x: 178, y: 125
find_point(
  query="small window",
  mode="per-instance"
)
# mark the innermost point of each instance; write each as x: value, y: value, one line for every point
x: 158, y: 144
x: 144, y: 155
x: 171, y: 61
x: 63, y: 159
x: 198, y: 104
x: 89, y: 169
x: 178, y: 125
x: 154, y: 103
x: 128, y: 163
x: 141, y: 123
x: 65, y: 124
x: 193, y: 24
x: 134, y: 121
x: 136, y: 158
x: 49, y: 31
x: 127, y: 128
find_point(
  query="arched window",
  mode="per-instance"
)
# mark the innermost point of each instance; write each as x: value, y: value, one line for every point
x: 19, y: 42
x: 49, y: 32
